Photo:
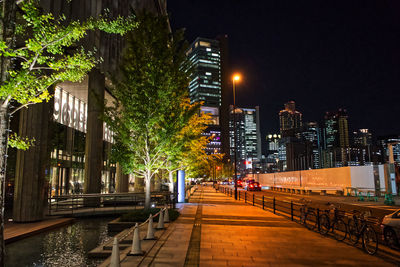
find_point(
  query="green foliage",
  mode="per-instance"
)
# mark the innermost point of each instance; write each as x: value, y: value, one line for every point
x: 45, y: 59
x: 149, y: 92
x: 18, y: 142
x: 143, y: 215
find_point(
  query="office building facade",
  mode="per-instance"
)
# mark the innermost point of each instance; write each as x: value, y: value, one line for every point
x: 208, y: 62
x: 290, y: 120
x: 311, y: 133
x: 248, y: 138
x: 71, y: 155
x: 336, y: 139
x: 271, y: 153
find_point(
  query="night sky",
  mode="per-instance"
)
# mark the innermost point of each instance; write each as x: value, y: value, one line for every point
x: 324, y: 55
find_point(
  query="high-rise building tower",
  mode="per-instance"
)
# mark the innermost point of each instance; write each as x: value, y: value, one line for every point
x: 395, y: 141
x: 289, y: 119
x: 208, y: 69
x: 311, y: 133
x: 336, y: 129
x: 205, y: 84
x: 362, y: 137
x: 248, y: 137
x: 336, y: 139
x: 272, y: 155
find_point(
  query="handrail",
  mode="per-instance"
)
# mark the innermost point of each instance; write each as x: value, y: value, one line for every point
x: 284, y: 209
x: 109, y: 195
x: 99, y: 202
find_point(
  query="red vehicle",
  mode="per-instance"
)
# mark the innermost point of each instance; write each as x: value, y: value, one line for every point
x: 252, y: 185
x: 239, y: 183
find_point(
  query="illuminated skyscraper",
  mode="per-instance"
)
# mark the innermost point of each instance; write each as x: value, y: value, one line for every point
x: 248, y: 137
x: 289, y: 119
x: 207, y: 58
x: 205, y: 84
x: 336, y: 139
x: 362, y: 137
x: 311, y: 133
x: 272, y: 153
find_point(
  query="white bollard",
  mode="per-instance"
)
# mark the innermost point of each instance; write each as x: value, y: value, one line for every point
x: 115, y: 254
x: 136, y: 246
x: 166, y: 215
x: 160, y: 224
x: 150, y: 229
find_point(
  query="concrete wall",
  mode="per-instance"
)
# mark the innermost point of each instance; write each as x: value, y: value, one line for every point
x: 358, y: 176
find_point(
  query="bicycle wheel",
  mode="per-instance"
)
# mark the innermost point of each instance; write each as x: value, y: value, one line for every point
x: 310, y: 220
x: 324, y: 224
x: 370, y: 240
x: 353, y: 232
x: 339, y: 230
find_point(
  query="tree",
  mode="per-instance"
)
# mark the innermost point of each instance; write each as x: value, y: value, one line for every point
x: 27, y: 71
x: 188, y: 142
x: 149, y: 91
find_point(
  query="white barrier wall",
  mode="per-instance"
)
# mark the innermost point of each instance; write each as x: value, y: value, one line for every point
x: 362, y: 176
x: 332, y: 177
x: 357, y: 176
x: 381, y: 171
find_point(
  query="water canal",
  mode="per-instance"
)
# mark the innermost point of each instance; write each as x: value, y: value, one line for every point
x: 65, y: 246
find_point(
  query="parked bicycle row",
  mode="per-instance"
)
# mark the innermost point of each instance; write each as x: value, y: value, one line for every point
x: 355, y: 226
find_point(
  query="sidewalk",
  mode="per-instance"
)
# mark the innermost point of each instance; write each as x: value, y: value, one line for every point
x: 215, y: 230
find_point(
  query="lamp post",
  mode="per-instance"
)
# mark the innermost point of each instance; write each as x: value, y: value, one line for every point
x: 235, y: 79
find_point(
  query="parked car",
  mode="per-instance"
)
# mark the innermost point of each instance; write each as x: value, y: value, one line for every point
x: 391, y: 229
x: 239, y: 183
x: 251, y: 185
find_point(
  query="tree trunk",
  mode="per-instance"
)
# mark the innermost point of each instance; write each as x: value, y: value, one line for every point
x: 171, y: 181
x: 7, y: 32
x: 147, y: 180
x: 4, y: 122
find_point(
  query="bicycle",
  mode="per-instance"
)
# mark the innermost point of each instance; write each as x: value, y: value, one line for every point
x: 307, y: 215
x: 360, y: 228
x: 336, y: 225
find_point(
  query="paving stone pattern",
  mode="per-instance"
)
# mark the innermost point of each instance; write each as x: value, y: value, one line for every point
x: 215, y: 230
x: 243, y: 235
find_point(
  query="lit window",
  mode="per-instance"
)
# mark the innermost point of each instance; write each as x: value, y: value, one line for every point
x: 206, y: 44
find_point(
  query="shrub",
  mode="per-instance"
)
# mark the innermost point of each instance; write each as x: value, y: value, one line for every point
x: 142, y: 215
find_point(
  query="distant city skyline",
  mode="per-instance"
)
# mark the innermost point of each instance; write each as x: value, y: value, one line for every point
x: 322, y: 55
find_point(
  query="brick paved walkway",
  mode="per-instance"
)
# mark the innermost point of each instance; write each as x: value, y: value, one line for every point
x: 215, y: 230
x: 236, y: 234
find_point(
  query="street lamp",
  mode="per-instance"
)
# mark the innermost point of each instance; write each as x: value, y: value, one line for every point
x: 235, y: 78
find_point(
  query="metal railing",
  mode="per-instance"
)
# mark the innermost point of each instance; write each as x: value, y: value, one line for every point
x: 189, y: 191
x: 295, y: 211
x: 107, y: 203
x: 289, y: 209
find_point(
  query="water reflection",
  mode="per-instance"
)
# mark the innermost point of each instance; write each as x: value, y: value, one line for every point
x: 66, y: 246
